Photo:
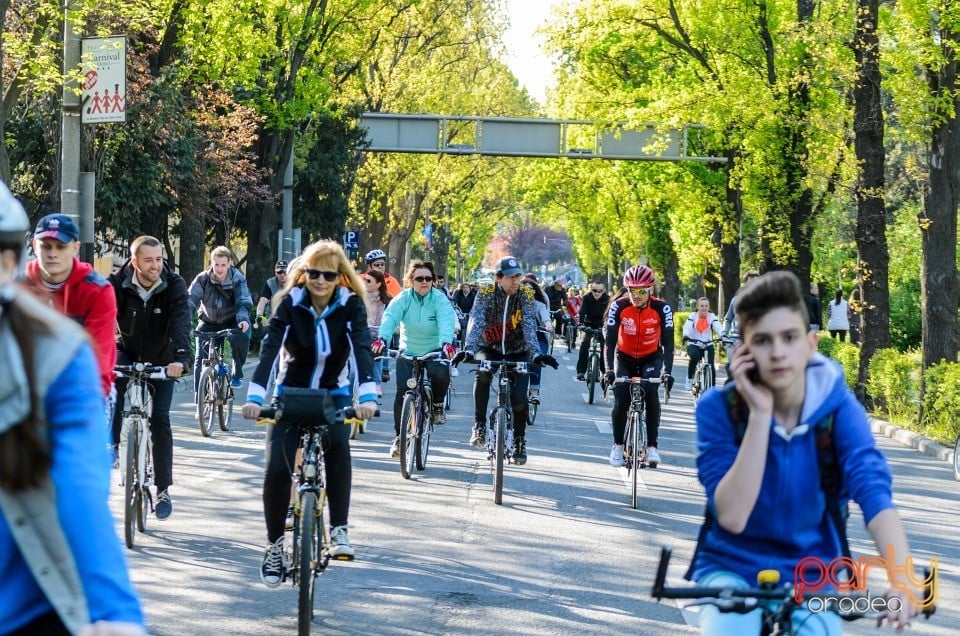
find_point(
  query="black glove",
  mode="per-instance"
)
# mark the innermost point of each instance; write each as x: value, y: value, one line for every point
x: 462, y: 356
x: 546, y: 361
x: 610, y: 377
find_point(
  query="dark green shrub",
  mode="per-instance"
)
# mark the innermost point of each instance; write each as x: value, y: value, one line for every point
x: 941, y: 402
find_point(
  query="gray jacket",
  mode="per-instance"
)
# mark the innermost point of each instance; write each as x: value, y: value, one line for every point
x: 221, y: 303
x: 32, y: 515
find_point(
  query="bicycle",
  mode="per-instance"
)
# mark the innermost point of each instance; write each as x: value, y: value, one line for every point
x: 214, y: 393
x: 776, y: 604
x: 416, y: 413
x: 136, y: 446
x: 703, y: 376
x: 500, y: 419
x: 310, y: 546
x: 593, y: 362
x: 635, y: 434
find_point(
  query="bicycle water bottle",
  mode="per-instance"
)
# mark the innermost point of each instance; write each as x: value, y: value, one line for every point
x: 222, y: 369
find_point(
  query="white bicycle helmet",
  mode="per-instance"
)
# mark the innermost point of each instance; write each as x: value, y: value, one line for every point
x: 14, y: 223
x: 375, y: 255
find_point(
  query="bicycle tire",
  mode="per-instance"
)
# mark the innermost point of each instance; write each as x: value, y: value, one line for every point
x: 206, y: 400
x: 225, y: 405
x: 306, y: 556
x: 531, y: 412
x: 448, y: 398
x: 144, y: 492
x: 571, y: 338
x: 499, y: 454
x: 708, y: 379
x: 423, y: 441
x: 130, y: 487
x: 956, y: 459
x: 592, y: 375
x: 636, y: 423
x: 408, y: 423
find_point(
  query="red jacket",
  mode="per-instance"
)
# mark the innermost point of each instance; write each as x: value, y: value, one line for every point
x: 89, y: 299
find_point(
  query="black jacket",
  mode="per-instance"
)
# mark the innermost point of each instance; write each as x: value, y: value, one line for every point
x: 593, y: 311
x: 157, y: 331
x: 317, y: 353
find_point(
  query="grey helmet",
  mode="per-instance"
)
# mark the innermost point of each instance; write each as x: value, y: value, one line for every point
x: 14, y: 223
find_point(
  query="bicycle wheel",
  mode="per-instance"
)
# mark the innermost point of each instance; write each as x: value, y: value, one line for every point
x: 306, y: 556
x: 423, y: 440
x: 593, y: 373
x: 531, y: 412
x: 143, y: 492
x: 571, y: 338
x: 131, y: 489
x: 637, y: 442
x: 500, y: 453
x: 448, y: 398
x: 408, y: 428
x: 225, y: 403
x: 708, y: 379
x: 956, y: 459
x: 206, y: 400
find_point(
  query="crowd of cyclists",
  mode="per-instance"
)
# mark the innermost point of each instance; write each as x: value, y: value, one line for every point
x: 326, y: 326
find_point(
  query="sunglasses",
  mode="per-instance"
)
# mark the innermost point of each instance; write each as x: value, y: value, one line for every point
x: 639, y: 291
x: 423, y: 279
x: 596, y: 291
x: 280, y: 272
x: 314, y: 274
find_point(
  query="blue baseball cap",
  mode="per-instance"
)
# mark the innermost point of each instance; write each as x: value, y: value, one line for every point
x: 509, y: 266
x: 57, y: 226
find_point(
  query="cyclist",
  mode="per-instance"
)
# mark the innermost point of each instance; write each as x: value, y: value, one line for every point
x: 75, y: 289
x: 544, y: 330
x: 318, y: 329
x: 593, y: 311
x: 272, y: 285
x: 427, y: 322
x: 222, y: 300
x: 557, y: 296
x: 639, y: 343
x: 376, y: 300
x: 153, y: 325
x: 768, y: 513
x: 377, y: 259
x: 503, y: 326
x: 701, y: 326
x: 61, y: 567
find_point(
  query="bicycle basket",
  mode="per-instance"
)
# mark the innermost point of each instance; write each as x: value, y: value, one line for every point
x: 304, y: 405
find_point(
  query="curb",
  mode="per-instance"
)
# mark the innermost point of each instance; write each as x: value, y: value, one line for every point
x: 909, y: 438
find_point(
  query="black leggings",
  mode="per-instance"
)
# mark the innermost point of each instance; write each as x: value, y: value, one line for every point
x: 437, y: 372
x: 518, y: 399
x: 48, y: 624
x: 637, y: 368
x: 282, y: 443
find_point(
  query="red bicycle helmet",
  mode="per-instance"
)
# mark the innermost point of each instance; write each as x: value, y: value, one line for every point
x: 639, y: 276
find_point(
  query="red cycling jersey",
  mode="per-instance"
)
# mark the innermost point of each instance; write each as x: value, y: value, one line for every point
x: 639, y: 333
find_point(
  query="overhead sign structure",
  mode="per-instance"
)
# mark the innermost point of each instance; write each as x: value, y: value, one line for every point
x: 104, y: 68
x: 527, y: 137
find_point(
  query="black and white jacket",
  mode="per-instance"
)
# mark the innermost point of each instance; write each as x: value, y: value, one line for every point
x: 317, y: 351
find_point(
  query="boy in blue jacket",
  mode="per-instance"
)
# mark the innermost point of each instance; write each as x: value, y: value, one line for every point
x: 763, y: 492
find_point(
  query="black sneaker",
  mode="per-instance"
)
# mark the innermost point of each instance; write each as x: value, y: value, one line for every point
x: 164, y: 507
x: 439, y: 417
x: 581, y: 377
x: 271, y: 568
x: 384, y: 376
x: 478, y: 437
x: 519, y: 451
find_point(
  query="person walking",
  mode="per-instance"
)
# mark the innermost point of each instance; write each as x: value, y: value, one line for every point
x: 838, y: 317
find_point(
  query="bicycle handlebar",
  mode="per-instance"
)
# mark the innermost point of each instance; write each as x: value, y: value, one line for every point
x: 661, y: 380
x: 348, y: 413
x: 141, y: 370
x: 229, y: 331
x: 433, y: 356
x: 703, y: 344
x: 742, y: 600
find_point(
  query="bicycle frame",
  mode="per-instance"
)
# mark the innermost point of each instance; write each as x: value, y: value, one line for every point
x: 593, y: 361
x: 635, y: 441
x: 699, y: 383
x: 214, y: 370
x: 500, y: 420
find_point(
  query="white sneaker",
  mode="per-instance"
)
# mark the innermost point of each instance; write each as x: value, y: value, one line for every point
x: 395, y: 447
x: 340, y: 547
x: 653, y: 457
x: 616, y: 456
x: 454, y: 372
x: 271, y: 569
x: 686, y: 384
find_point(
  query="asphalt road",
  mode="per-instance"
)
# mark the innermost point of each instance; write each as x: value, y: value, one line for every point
x: 564, y: 554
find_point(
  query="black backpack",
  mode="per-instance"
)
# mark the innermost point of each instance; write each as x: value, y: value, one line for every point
x: 827, y: 462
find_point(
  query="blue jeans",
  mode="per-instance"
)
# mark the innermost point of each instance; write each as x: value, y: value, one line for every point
x: 713, y: 622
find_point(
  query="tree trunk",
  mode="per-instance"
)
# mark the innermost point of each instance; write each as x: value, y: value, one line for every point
x: 730, y: 245
x: 192, y: 244
x: 871, y: 215
x: 938, y: 225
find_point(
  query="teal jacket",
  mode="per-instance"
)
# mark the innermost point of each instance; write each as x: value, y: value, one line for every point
x: 425, y: 322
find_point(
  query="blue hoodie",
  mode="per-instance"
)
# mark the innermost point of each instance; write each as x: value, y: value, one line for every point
x: 790, y: 520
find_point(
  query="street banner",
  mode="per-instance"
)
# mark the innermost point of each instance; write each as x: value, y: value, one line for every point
x: 104, y: 67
